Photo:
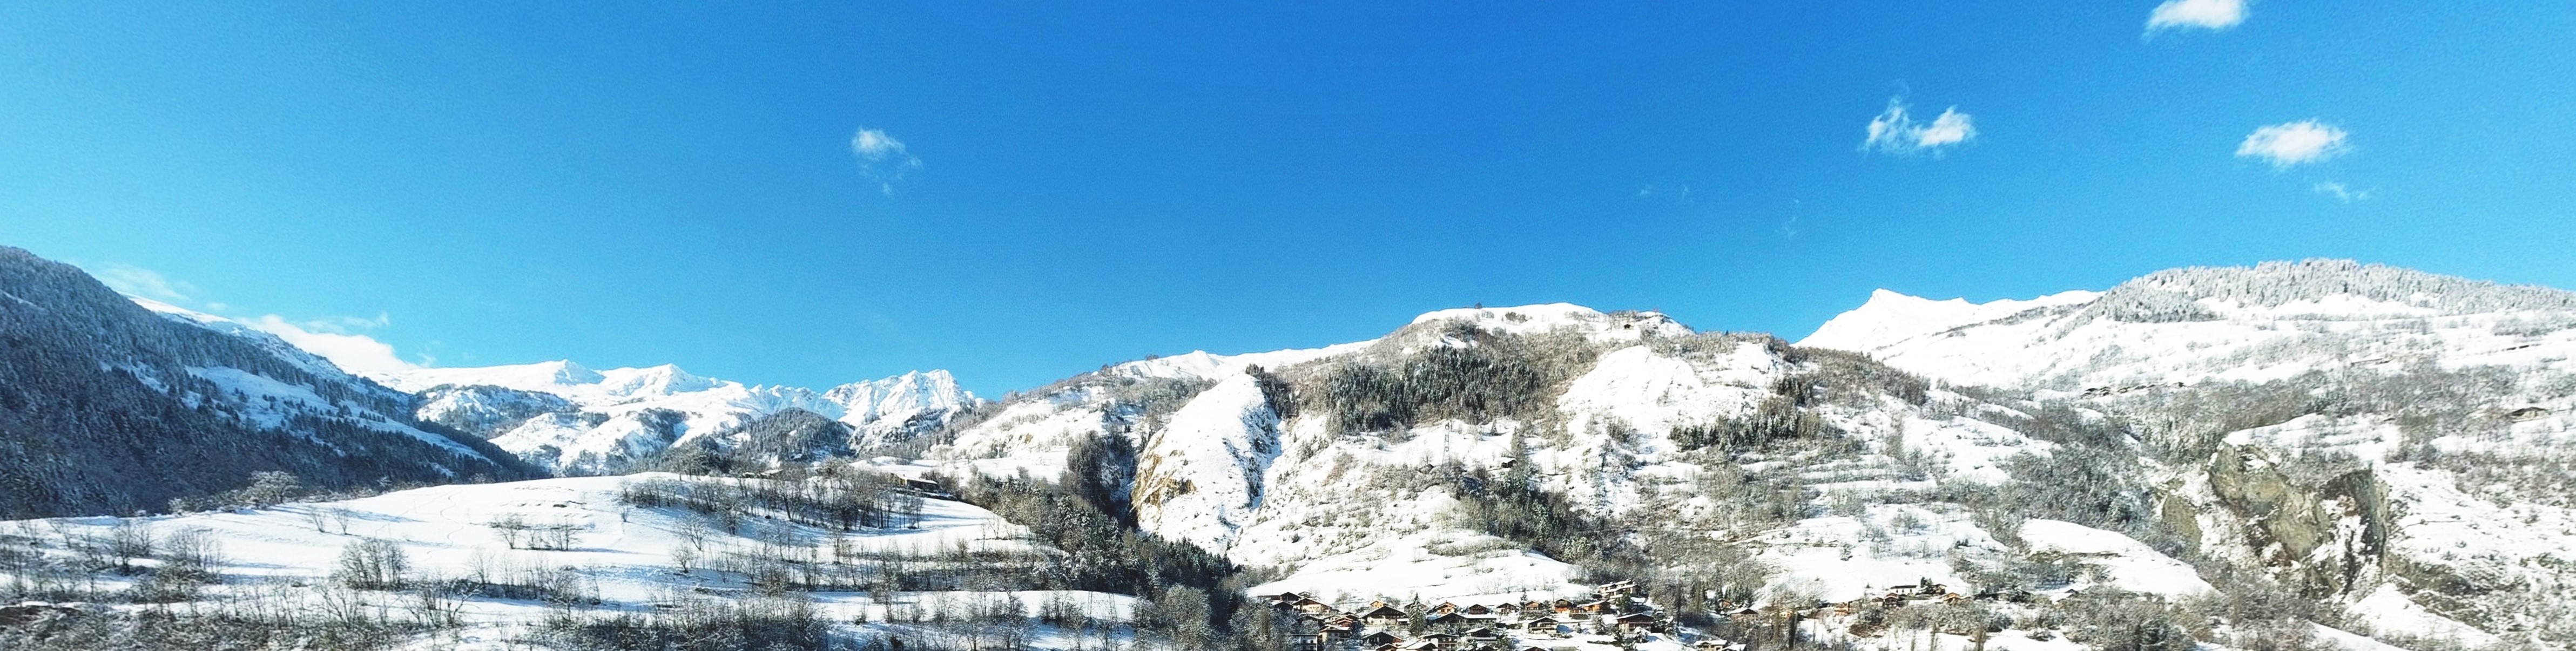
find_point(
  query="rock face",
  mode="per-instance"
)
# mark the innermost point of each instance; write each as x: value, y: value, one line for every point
x: 107, y: 407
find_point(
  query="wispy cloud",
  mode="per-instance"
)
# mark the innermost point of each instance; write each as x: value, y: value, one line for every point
x: 330, y: 338
x: 131, y: 280
x: 882, y: 158
x: 2196, y: 14
x: 1895, y: 131
x: 2294, y: 143
x: 2340, y: 192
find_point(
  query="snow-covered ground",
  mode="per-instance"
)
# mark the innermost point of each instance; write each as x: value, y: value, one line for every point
x: 629, y: 555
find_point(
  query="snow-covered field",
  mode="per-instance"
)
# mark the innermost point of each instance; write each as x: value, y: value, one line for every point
x: 628, y: 556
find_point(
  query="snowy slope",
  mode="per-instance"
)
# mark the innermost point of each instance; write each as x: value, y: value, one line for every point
x: 2417, y: 382
x: 1367, y: 513
x: 2200, y: 324
x: 624, y: 555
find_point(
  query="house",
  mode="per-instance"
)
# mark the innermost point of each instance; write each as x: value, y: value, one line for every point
x: 1452, y: 618
x: 1383, y: 616
x: 1477, y: 611
x: 1484, y: 633
x: 1378, y: 638
x: 1443, y: 609
x: 1508, y: 609
x: 1614, y: 589
x: 1440, y: 640
x: 1311, y: 606
x: 1541, y: 625
x: 1561, y: 606
x: 1308, y: 635
x: 1592, y: 607
x: 1635, y: 623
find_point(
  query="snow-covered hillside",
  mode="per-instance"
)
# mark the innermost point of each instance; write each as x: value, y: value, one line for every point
x: 1242, y: 454
x: 507, y: 557
x: 2394, y: 440
x: 2193, y: 325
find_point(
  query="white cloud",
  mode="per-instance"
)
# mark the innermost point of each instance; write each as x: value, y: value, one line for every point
x: 137, y: 281
x: 2201, y: 14
x: 355, y: 353
x: 2339, y: 191
x: 1896, y: 132
x: 2294, y: 143
x: 882, y: 158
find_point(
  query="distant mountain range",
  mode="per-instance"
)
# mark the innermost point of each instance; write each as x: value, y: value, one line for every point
x: 2382, y: 448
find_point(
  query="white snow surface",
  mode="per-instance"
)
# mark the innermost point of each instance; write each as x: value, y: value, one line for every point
x: 626, y: 551
x: 2125, y: 563
x: 2062, y: 341
x: 1200, y: 475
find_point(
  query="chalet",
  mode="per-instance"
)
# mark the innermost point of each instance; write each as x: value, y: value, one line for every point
x: 1308, y: 635
x: 1541, y: 625
x: 1508, y: 609
x: 1635, y: 623
x: 1443, y: 609
x: 1561, y: 606
x: 1311, y: 606
x: 1477, y: 611
x: 1484, y: 647
x: 1614, y: 589
x: 927, y: 488
x: 1440, y: 640
x: 1594, y: 607
x: 1380, y: 639
x: 1383, y: 616
x: 1451, y: 618
x: 1484, y: 633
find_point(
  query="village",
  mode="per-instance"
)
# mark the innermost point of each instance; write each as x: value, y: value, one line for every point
x: 1615, y: 617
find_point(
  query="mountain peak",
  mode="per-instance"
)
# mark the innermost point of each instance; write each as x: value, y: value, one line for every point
x: 1548, y: 317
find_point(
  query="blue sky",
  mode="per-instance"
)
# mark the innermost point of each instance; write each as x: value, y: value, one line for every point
x: 1054, y: 186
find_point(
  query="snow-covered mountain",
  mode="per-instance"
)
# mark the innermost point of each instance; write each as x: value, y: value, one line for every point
x: 2268, y: 322
x: 2233, y: 458
x: 107, y: 406
x: 1294, y: 461
x: 571, y: 419
x: 2393, y: 440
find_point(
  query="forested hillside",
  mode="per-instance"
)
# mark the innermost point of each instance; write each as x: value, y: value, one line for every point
x: 107, y: 407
